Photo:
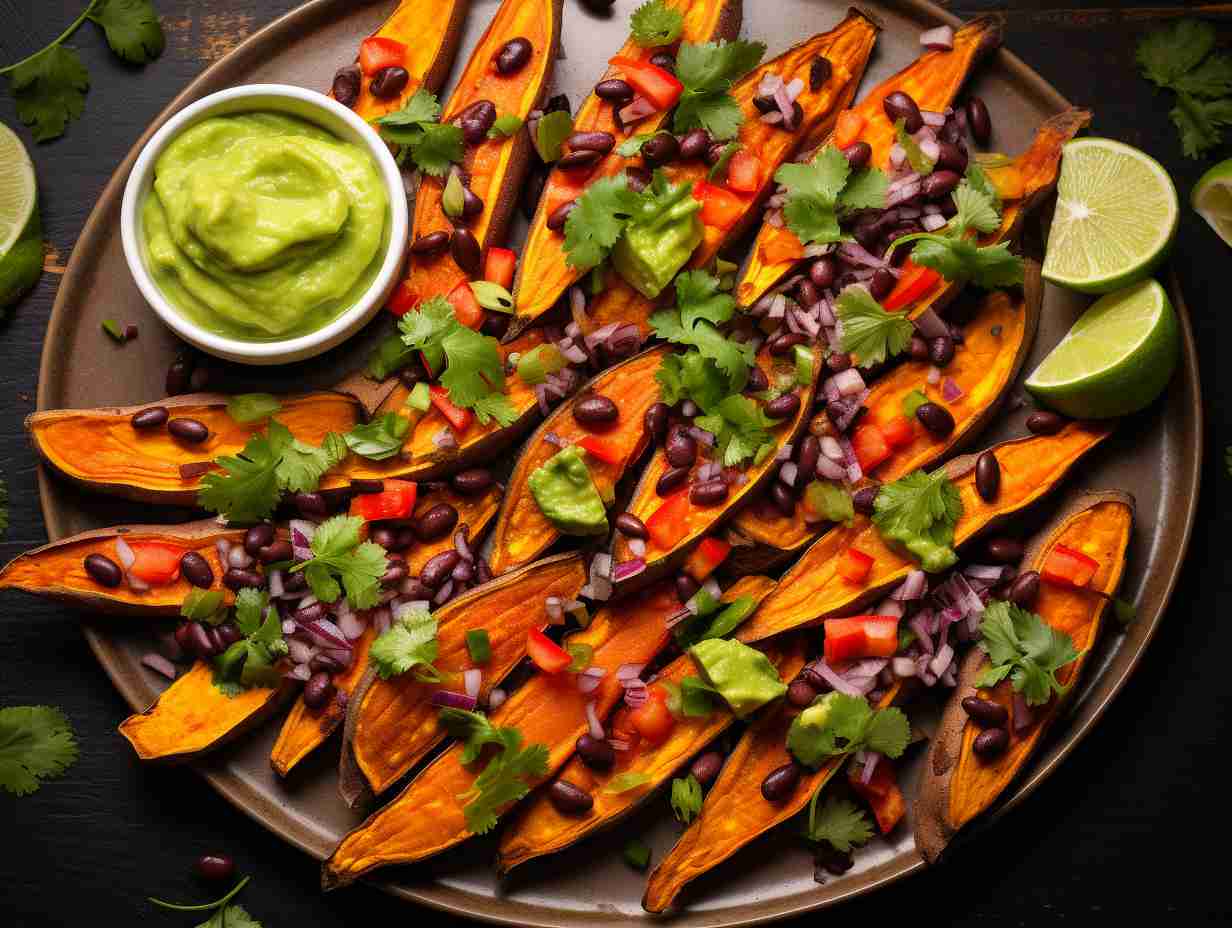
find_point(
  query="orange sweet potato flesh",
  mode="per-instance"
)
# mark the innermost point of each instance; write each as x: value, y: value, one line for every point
x: 957, y: 785
x: 305, y: 728
x: 847, y: 47
x: 523, y: 532
x: 495, y: 167
x: 543, y: 273
x: 995, y: 344
x: 193, y: 716
x: 812, y: 588
x: 933, y: 81
x: 701, y: 520
x: 734, y: 811
x: 549, y: 709
x: 430, y: 30
x: 392, y: 724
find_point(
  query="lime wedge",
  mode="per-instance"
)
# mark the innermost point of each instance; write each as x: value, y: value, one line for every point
x: 1212, y: 198
x: 1117, y: 358
x: 1116, y: 216
x: 21, y: 246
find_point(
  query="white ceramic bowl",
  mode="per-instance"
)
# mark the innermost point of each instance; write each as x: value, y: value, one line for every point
x: 329, y: 115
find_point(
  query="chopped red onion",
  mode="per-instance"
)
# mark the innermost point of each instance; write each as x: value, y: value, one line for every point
x: 577, y: 305
x: 627, y: 569
x: 300, y: 651
x: 848, y: 382
x: 629, y: 672
x: 938, y: 39
x: 784, y: 453
x: 930, y: 149
x: 992, y: 573
x: 784, y: 103
x: 276, y: 584
x: 443, y: 594
x: 575, y: 354
x: 903, y: 194
x: 462, y: 546
x: 950, y: 391
x: 774, y: 217
x: 838, y: 682
x: 497, y: 698
x: 128, y: 558
x: 238, y: 558
x: 889, y: 607
x: 920, y: 625
x: 592, y: 720
x: 772, y: 118
x: 857, y: 254
x: 898, y: 155
x: 326, y: 634
x: 1023, y: 716
x: 939, y: 663
x: 934, y: 221
x: 636, y: 111
x: 817, y: 251
x: 301, y: 539
x: 588, y: 680
x: 912, y: 588
x: 831, y: 448
x: 341, y: 656
x: 934, y: 375
x: 870, y: 764
x: 788, y: 472
x: 472, y: 680
x: 444, y: 440
x: 637, y: 547
x: 903, y: 667
x: 831, y: 470
x: 778, y: 307
x: 451, y: 700
x: 795, y: 88
x: 381, y: 621
x: 935, y: 120
x: 556, y: 613
x: 301, y: 672
x: 159, y: 664
x: 701, y: 436
x: 136, y: 583
x: 636, y: 694
x: 351, y: 624
x: 854, y: 471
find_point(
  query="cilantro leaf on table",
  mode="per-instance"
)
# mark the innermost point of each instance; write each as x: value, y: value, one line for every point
x: 708, y: 71
x: 686, y: 798
x: 869, y: 332
x: 380, y: 439
x: 231, y: 916
x: 838, y: 724
x: 340, y: 561
x: 655, y: 23
x: 700, y: 308
x: 505, y: 778
x: 822, y: 190
x: 408, y: 644
x: 415, y: 129
x: 131, y: 27
x: 598, y: 220
x: 1165, y: 54
x: 36, y: 743
x: 839, y: 823
x: 1024, y: 647
x: 1199, y: 122
x: 920, y: 511
x: 1211, y: 79
x: 1180, y: 57
x: 50, y: 90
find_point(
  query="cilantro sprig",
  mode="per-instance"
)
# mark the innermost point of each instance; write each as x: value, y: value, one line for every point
x: 416, y: 130
x: 225, y: 914
x: 408, y: 644
x: 920, y: 511
x: 50, y: 86
x: 1180, y: 57
x: 340, y: 561
x: 1022, y: 646
x: 701, y: 307
x: 36, y: 744
x: 869, y: 332
x: 252, y: 661
x: 655, y: 23
x: 821, y: 192
x: 837, y: 724
x: 839, y: 823
x: 507, y: 777
x: 708, y: 71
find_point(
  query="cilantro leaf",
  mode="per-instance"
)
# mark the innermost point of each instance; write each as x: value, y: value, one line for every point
x: 436, y: 148
x: 379, y: 439
x: 1165, y: 54
x: 686, y: 798
x: 838, y: 823
x: 132, y: 29
x: 431, y: 145
x: 869, y: 332
x: 252, y: 407
x: 252, y: 660
x: 36, y: 743
x: 822, y: 190
x: 708, y: 71
x: 250, y: 606
x: 505, y: 779
x: 50, y: 90
x: 740, y: 427
x: 697, y: 697
x: 231, y: 916
x: 920, y: 511
x: 303, y: 466
x: 598, y: 220
x: 495, y: 407
x: 838, y: 724
x: 655, y: 23
x: 1024, y: 647
x: 337, y: 552
x: 700, y: 307
x: 249, y: 491
x: 1211, y: 79
x: 888, y: 732
x: 409, y: 643
x: 865, y: 190
x: 975, y: 211
x: 505, y: 126
x: 1199, y: 122
x: 474, y: 368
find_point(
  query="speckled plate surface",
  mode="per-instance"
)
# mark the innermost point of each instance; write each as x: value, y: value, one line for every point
x: 1155, y: 457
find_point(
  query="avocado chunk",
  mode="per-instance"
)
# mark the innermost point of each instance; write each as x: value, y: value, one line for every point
x: 566, y: 494
x: 660, y: 239
x: 744, y: 676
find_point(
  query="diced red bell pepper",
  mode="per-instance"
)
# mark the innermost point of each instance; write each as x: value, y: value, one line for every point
x: 546, y: 653
x: 870, y: 446
x: 744, y: 172
x: 854, y: 565
x: 880, y: 635
x: 155, y: 562
x: 860, y: 636
x: 706, y: 558
x: 377, y: 53
x: 604, y: 449
x: 657, y: 85
x: 915, y: 283
x: 402, y: 300
x: 1068, y: 567
x: 396, y: 501
x: 669, y: 523
x: 499, y: 266
x: 881, y: 792
x: 459, y: 419
x: 899, y: 432
x: 652, y: 719
x: 466, y: 308
x: 780, y: 247
x: 847, y: 128
x: 721, y: 208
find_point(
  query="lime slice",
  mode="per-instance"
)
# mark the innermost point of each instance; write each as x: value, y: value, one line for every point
x: 21, y: 246
x: 1117, y: 358
x: 1212, y: 198
x: 1116, y: 216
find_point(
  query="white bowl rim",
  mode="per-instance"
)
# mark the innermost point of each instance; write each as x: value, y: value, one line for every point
x: 302, y: 346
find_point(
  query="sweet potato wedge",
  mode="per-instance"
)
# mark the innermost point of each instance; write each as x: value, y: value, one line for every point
x: 391, y: 724
x: 957, y: 785
x: 523, y: 532
x: 812, y: 589
x: 548, y: 709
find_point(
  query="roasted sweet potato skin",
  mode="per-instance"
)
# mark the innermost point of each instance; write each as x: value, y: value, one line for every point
x: 957, y: 785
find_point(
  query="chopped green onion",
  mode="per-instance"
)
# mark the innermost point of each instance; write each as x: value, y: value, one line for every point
x: 479, y: 645
x: 112, y: 328
x: 536, y: 364
x: 583, y: 655
x: 453, y: 199
x: 637, y: 855
x: 804, y: 365
x: 505, y: 126
x: 492, y: 296
x: 420, y: 398
x: 913, y: 401
x: 252, y: 407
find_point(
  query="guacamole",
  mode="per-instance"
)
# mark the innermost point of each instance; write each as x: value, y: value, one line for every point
x: 744, y: 676
x: 262, y: 226
x: 566, y: 494
x: 651, y: 251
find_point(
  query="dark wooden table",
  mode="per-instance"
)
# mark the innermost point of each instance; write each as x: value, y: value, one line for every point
x: 1130, y: 828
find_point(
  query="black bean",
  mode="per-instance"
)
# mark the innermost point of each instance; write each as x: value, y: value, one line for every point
x: 178, y: 375
x: 346, y: 86
x: 215, y: 868
x: 513, y: 56
x: 655, y: 422
x: 275, y: 552
x: 978, y: 120
x: 833, y: 861
x: 991, y: 743
x: 858, y: 155
x: 494, y: 324
x: 781, y: 782
x: 639, y: 178
x: 295, y: 583
x: 660, y: 149
x: 918, y: 349
x: 686, y: 587
x: 680, y: 448
x: 258, y: 537
x: 715, y: 152
x: 601, y: 142
x: 783, y: 498
x: 188, y: 430
x: 311, y: 505
x: 319, y: 690
x: 783, y: 407
x: 806, y: 293
x: 951, y: 158
x: 899, y: 105
x: 362, y: 487
x: 436, y: 523
x: 694, y: 144
x: 197, y: 570
x: 556, y: 221
x: 758, y: 381
x: 1002, y: 550
x: 472, y: 205
x: 202, y: 644
x: 881, y: 283
x: 706, y: 768
x: 438, y: 569
x: 935, y: 418
x: 1025, y: 589
x: 631, y: 526
x: 664, y: 60
x: 941, y: 350
x: 152, y: 417
x: 383, y: 535
x: 939, y: 183
x: 782, y: 346
x: 387, y: 83
x: 672, y: 480
x: 596, y: 753
x: 822, y: 273
x: 569, y: 799
x: 949, y: 209
x: 323, y: 662
x: 578, y: 159
x: 710, y: 493
x: 230, y: 633
x: 1044, y: 422
x: 807, y: 454
x: 819, y: 72
x: 430, y: 244
x: 103, y: 570
x: 984, y: 712
x: 595, y: 411
x: 464, y: 248
x: 614, y: 90
x: 864, y: 500
x: 476, y: 120
x: 463, y: 573
x: 413, y: 589
x: 801, y: 693
x: 236, y: 579
x: 473, y: 481
x: 987, y: 476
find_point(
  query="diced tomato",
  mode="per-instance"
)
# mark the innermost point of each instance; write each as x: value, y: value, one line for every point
x: 881, y: 792
x: 721, y: 208
x: 605, y: 449
x: 658, y: 86
x: 155, y: 562
x: 706, y: 558
x: 499, y: 266
x: 377, y: 53
x: 396, y: 501
x: 844, y: 640
x: 880, y: 635
x: 854, y: 565
x: 546, y: 653
x: 466, y: 308
x: 652, y: 719
x: 898, y: 432
x: 780, y: 247
x: 402, y: 300
x: 669, y: 523
x: 458, y: 418
x: 1067, y: 567
x: 744, y: 172
x: 915, y: 283
x: 848, y: 128
x: 870, y: 446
